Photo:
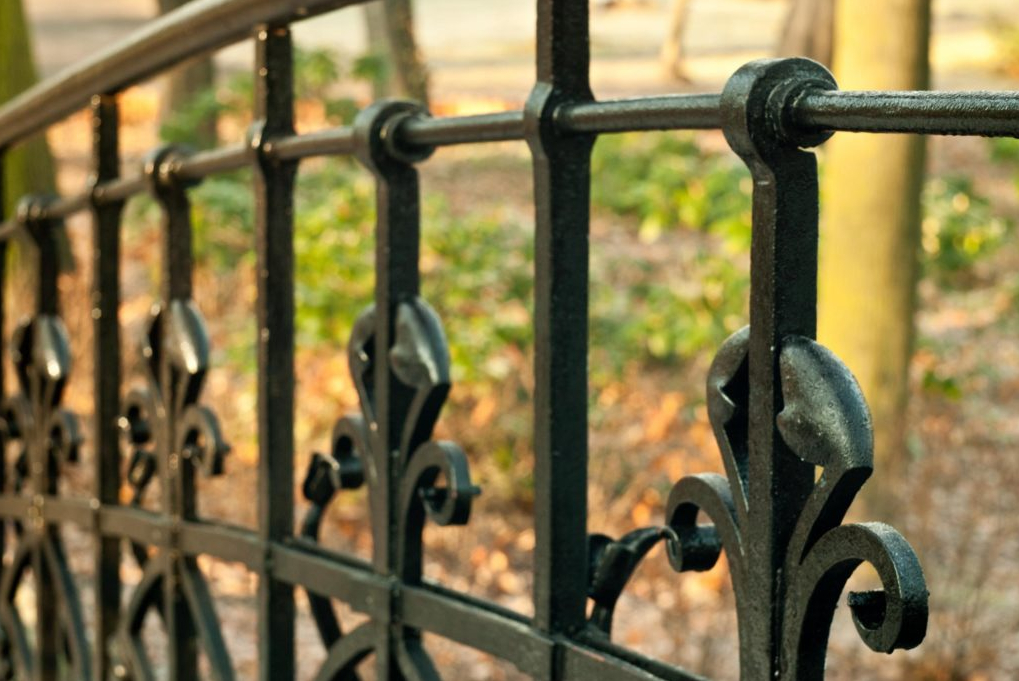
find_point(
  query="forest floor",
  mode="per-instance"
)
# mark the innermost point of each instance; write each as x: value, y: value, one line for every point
x: 958, y: 500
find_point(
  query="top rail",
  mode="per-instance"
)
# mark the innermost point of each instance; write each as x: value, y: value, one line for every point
x: 197, y: 27
x: 976, y: 113
x: 205, y: 25
x: 986, y: 114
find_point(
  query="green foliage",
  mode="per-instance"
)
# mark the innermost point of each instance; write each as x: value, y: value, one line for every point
x: 223, y: 219
x: 371, y: 68
x: 672, y: 181
x: 316, y: 74
x: 695, y: 202
x: 179, y: 128
x: 333, y: 241
x: 668, y: 316
x: 959, y: 229
x: 935, y: 383
x: 1005, y: 150
x: 478, y: 272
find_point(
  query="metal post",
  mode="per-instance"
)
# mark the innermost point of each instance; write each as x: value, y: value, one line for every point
x: 561, y: 194
x: 274, y: 230
x: 397, y: 280
x: 783, y: 303
x: 41, y: 473
x: 176, y: 474
x: 106, y: 370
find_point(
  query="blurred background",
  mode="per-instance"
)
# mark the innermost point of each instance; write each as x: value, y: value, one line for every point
x: 919, y: 284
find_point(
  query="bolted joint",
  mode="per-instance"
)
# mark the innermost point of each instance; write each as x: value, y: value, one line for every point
x: 259, y: 139
x: 161, y: 168
x: 376, y: 134
x: 258, y: 142
x: 31, y: 212
x: 542, y: 128
x: 758, y: 104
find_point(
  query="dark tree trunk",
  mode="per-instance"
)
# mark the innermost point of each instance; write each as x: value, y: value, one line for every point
x: 391, y: 35
x: 29, y: 166
x: 808, y: 30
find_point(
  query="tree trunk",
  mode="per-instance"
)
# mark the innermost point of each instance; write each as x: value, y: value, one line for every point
x: 29, y: 166
x: 808, y: 30
x: 184, y: 84
x: 390, y: 25
x: 671, y: 54
x: 870, y: 224
x: 378, y: 45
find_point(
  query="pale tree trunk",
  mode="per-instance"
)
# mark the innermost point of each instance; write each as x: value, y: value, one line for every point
x: 871, y: 221
x: 671, y: 54
x: 390, y: 25
x: 808, y: 30
x: 184, y: 83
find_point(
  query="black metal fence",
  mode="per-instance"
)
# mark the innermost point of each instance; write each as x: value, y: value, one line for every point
x: 791, y: 424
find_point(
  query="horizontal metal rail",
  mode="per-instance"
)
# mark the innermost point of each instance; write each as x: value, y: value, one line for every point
x: 689, y: 112
x: 458, y: 617
x: 986, y: 114
x: 196, y: 28
x: 934, y: 113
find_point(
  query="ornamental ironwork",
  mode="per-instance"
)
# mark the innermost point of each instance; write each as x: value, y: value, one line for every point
x: 791, y: 424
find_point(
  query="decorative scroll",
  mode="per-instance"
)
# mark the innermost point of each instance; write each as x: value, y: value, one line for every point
x: 167, y: 432
x: 45, y: 438
x: 419, y: 362
x: 826, y: 423
x: 167, y: 417
x: 793, y: 428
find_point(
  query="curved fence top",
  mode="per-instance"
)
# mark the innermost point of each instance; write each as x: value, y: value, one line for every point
x: 205, y: 25
x: 197, y: 27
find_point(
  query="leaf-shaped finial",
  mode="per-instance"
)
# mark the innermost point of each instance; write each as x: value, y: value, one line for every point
x: 825, y: 415
x: 40, y: 347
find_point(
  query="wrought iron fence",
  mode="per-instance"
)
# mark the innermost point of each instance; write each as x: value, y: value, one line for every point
x: 791, y: 423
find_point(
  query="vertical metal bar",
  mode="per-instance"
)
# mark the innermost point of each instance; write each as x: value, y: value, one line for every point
x: 47, y: 298
x: 274, y: 199
x: 3, y: 344
x: 106, y: 370
x: 397, y: 279
x: 561, y: 195
x: 177, y: 475
x: 47, y: 642
x: 783, y: 298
